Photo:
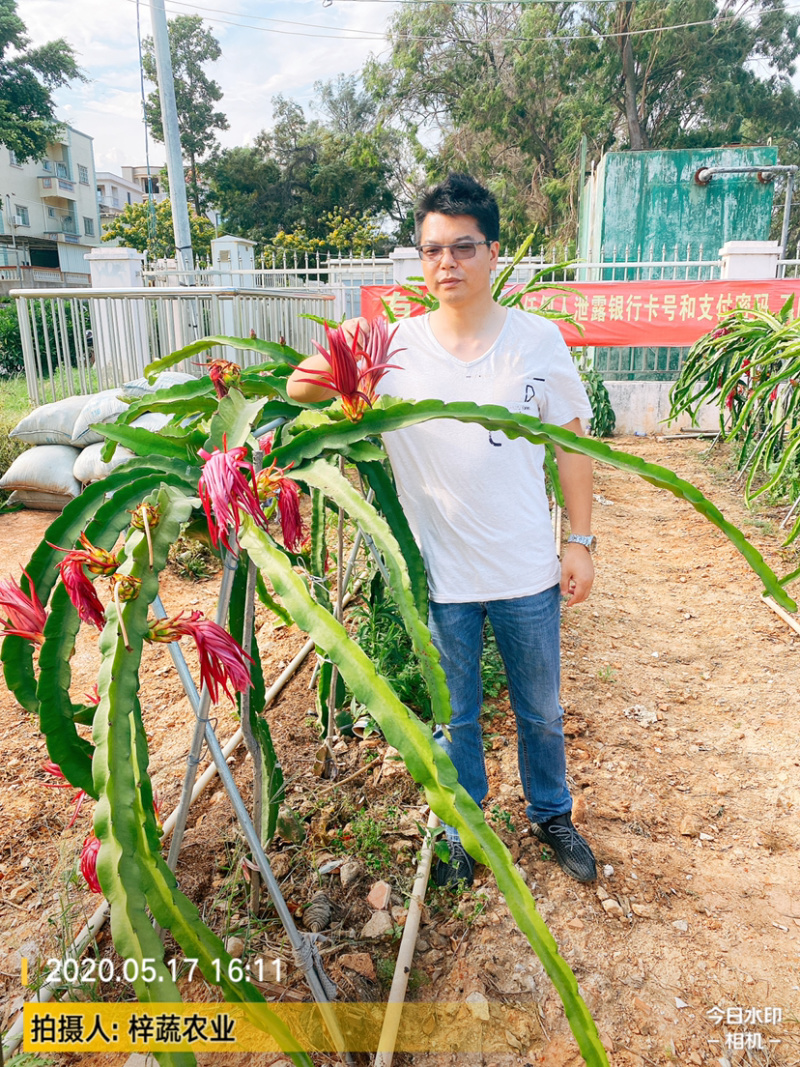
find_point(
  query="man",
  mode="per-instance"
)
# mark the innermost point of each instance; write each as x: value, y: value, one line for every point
x: 476, y: 503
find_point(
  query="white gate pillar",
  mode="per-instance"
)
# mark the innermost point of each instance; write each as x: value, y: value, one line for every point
x: 749, y: 260
x: 119, y: 327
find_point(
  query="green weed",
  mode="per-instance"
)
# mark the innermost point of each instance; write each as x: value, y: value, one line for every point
x: 502, y: 819
x: 493, y: 672
x: 193, y: 560
x: 363, y: 837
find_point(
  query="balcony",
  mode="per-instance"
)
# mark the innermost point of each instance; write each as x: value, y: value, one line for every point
x: 56, y: 191
x: 110, y: 205
x: 62, y: 228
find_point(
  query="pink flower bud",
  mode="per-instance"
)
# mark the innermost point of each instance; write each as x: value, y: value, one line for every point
x: 89, y: 853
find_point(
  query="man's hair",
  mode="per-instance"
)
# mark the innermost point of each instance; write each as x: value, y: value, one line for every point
x: 460, y: 194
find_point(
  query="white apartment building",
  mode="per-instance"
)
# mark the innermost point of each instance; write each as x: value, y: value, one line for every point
x: 49, y: 217
x: 146, y: 182
x: 114, y: 193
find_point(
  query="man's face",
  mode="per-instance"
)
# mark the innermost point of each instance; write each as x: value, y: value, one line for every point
x: 457, y: 282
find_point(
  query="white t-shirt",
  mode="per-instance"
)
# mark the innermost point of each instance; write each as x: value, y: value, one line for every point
x: 475, y: 500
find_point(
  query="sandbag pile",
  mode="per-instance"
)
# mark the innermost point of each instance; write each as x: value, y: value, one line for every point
x: 67, y: 452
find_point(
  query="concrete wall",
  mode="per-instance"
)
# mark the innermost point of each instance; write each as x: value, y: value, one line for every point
x: 640, y: 407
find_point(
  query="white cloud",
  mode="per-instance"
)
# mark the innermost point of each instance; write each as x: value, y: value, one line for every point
x: 255, y: 64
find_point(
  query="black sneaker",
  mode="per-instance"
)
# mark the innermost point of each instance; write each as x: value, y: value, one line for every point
x: 459, y: 869
x: 572, y: 853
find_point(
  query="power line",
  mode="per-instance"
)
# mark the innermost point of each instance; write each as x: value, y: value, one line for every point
x: 371, y: 35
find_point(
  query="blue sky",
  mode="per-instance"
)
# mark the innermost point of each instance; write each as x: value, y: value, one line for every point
x: 259, y: 59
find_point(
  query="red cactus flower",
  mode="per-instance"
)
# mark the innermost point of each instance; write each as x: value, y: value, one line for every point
x: 224, y: 375
x: 292, y: 528
x: 79, y: 587
x: 25, y: 616
x: 227, y: 492
x: 223, y: 662
x: 89, y: 852
x: 354, y: 370
x: 377, y: 354
x: 81, y: 591
x: 272, y: 484
x: 774, y: 394
x: 93, y: 696
x: 53, y: 768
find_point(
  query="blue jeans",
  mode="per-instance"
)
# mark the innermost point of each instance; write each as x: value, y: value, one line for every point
x: 528, y: 631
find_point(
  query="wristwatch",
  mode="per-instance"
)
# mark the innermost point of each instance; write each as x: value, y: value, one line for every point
x: 587, y: 540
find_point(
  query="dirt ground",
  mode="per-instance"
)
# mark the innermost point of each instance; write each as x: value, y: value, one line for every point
x: 681, y: 696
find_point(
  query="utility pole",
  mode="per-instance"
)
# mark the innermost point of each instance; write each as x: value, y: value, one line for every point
x: 172, y: 142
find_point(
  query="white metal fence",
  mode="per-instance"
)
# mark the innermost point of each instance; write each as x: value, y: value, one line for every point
x: 79, y: 340
x: 82, y: 340
x: 342, y: 277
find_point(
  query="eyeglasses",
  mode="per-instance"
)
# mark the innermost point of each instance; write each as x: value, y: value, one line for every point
x: 460, y: 250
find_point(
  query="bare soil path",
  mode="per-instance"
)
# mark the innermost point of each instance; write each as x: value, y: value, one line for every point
x: 682, y: 696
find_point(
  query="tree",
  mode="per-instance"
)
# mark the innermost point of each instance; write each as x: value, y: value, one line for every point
x: 134, y: 230
x: 244, y: 188
x: 347, y: 108
x: 28, y: 77
x: 724, y: 79
x: 190, y: 46
x: 510, y: 90
x: 300, y: 175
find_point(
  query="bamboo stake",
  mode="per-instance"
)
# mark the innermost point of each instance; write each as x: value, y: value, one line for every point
x: 397, y: 994
x: 795, y: 625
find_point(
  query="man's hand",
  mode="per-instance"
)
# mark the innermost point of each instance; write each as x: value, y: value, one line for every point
x: 577, y: 573
x: 349, y: 327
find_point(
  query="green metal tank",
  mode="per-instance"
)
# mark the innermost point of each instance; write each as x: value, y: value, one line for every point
x: 648, y: 206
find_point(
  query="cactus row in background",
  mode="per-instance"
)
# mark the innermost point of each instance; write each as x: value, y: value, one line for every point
x: 749, y: 367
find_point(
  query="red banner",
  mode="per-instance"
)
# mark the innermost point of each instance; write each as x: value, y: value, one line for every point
x: 627, y: 313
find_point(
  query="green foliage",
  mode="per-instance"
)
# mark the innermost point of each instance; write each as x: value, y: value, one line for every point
x: 132, y: 229
x: 11, y: 359
x: 45, y: 324
x: 358, y: 234
x: 191, y: 46
x: 493, y: 672
x: 15, y: 406
x: 364, y: 837
x: 502, y: 819
x: 604, y: 419
x: 28, y: 79
x: 382, y: 636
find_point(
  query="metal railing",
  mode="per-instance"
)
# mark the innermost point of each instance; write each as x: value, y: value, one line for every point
x: 340, y: 277
x: 81, y: 340
x: 628, y: 264
x: 790, y: 268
